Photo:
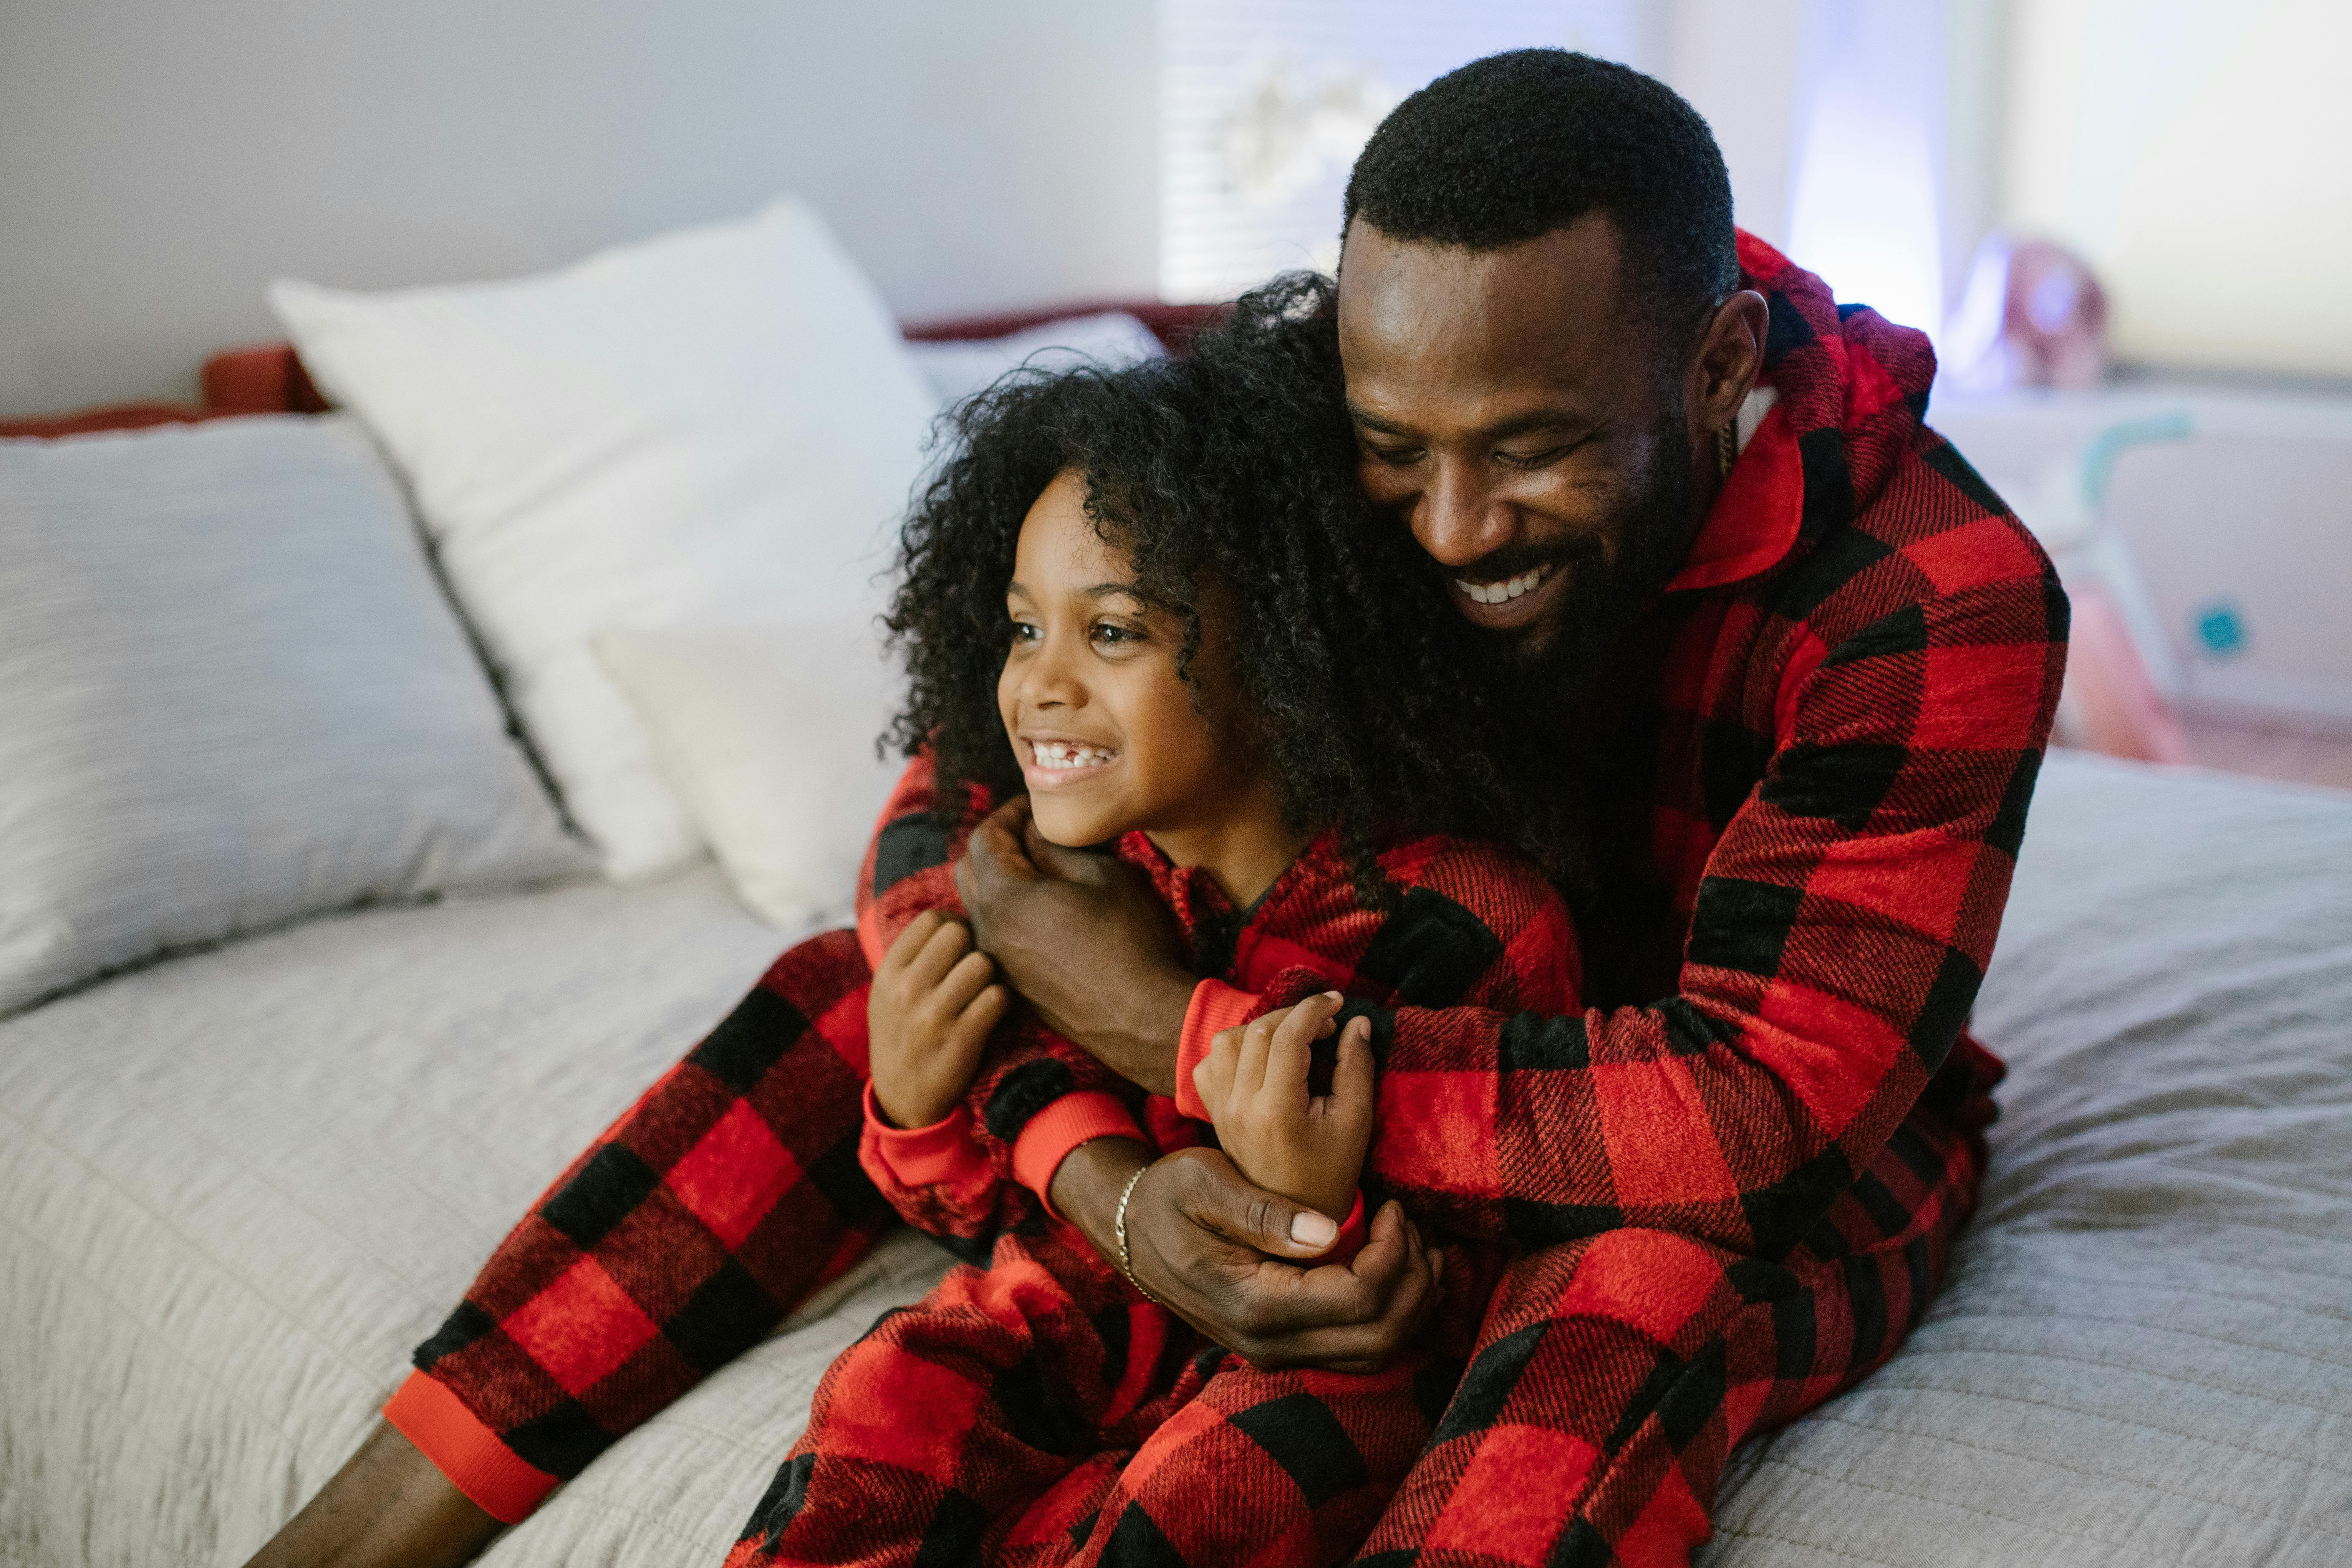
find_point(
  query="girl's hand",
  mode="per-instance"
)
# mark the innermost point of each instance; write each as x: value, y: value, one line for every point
x: 927, y: 1017
x: 1308, y: 1147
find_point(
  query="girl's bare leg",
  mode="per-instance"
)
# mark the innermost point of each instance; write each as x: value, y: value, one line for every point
x: 388, y: 1507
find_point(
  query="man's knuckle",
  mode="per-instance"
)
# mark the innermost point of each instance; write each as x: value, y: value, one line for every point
x: 1255, y: 1320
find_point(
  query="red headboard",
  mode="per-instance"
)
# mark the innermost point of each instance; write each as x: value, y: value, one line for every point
x: 268, y: 379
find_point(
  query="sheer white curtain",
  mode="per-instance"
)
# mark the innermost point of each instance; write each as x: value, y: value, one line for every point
x: 1866, y: 197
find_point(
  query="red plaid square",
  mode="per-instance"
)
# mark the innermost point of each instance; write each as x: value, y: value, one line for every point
x: 733, y: 1176
x: 579, y: 1327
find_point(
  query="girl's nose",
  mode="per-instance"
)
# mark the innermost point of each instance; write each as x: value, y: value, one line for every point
x: 1050, y: 679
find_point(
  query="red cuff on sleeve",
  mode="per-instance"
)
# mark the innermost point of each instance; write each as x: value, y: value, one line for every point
x: 923, y: 1156
x: 1052, y: 1132
x: 1215, y: 1006
x: 1354, y: 1231
x: 465, y: 1449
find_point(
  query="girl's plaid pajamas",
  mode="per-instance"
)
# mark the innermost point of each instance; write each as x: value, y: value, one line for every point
x: 1731, y: 1183
x: 1041, y: 1411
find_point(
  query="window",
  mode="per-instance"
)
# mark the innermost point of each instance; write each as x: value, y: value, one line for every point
x: 2190, y: 150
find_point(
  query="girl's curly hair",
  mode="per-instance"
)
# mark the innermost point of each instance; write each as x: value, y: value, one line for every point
x: 1234, y: 466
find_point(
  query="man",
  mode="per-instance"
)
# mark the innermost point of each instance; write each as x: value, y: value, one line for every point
x: 1632, y: 443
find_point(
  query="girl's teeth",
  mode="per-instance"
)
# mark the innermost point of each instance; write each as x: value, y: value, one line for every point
x: 1062, y: 755
x: 1504, y: 592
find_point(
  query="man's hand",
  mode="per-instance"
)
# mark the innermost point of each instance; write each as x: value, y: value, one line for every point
x: 1283, y: 1137
x: 927, y: 1017
x: 1083, y: 941
x: 1216, y: 1251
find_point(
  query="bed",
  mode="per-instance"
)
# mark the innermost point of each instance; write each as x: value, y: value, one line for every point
x: 237, y: 1186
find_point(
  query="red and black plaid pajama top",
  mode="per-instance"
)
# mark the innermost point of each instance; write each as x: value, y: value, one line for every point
x: 1734, y: 1177
x: 1040, y: 1411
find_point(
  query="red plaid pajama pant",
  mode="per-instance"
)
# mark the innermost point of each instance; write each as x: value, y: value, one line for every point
x: 1039, y: 1413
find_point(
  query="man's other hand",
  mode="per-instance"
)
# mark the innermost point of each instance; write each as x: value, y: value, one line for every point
x: 1083, y: 940
x: 1238, y: 1262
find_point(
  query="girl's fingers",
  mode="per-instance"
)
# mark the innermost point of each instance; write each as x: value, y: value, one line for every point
x: 1208, y: 1082
x: 1213, y: 1076
x: 1249, y: 1067
x: 910, y: 941
x: 1292, y: 1051
x: 971, y: 974
x: 1351, y: 1075
x: 970, y: 1032
x: 945, y: 949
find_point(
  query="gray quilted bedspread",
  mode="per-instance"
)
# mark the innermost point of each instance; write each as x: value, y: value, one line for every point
x: 237, y: 1187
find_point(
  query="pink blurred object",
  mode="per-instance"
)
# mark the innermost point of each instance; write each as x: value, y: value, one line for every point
x: 2109, y: 703
x: 2032, y: 315
x: 2121, y: 675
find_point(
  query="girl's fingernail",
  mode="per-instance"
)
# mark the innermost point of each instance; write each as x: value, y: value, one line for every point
x: 1333, y: 996
x: 1308, y: 1228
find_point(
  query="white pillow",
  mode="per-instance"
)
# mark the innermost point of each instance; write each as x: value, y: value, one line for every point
x: 231, y: 694
x: 959, y: 367
x: 769, y: 736
x: 721, y: 422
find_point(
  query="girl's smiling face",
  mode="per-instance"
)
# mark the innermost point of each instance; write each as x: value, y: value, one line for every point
x: 1109, y: 737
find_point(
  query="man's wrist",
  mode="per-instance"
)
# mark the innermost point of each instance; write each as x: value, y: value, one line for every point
x: 1151, y: 1028
x: 1085, y: 1187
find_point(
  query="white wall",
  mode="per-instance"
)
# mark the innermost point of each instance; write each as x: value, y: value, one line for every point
x: 1736, y: 61
x: 159, y: 162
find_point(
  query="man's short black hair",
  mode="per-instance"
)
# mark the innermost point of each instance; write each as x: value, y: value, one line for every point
x: 1515, y: 145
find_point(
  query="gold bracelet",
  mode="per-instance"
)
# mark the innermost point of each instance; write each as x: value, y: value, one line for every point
x: 1118, y: 1225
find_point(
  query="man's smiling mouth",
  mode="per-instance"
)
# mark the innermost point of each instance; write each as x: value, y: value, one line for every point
x: 1516, y: 602
x: 1506, y: 590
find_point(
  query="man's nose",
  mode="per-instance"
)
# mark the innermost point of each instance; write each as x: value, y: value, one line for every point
x: 1460, y: 519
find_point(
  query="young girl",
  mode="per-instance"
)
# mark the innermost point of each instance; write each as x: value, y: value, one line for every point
x: 1120, y: 599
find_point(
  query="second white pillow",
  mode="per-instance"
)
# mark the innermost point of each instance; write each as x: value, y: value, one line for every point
x: 769, y: 735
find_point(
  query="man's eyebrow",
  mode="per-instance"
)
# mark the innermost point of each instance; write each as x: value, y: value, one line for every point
x: 1371, y: 421
x: 1502, y: 430
x: 1541, y: 419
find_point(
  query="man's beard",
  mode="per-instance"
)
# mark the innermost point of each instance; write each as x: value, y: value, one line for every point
x: 1548, y: 669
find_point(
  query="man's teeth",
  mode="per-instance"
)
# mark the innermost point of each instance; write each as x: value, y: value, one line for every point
x: 1067, y: 754
x: 1504, y: 592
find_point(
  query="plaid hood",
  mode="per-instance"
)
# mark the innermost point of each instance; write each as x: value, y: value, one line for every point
x: 1852, y: 391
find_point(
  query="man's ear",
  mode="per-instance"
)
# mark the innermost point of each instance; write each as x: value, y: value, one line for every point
x: 1730, y: 357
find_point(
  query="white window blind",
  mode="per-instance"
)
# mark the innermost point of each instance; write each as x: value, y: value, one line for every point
x: 1265, y: 104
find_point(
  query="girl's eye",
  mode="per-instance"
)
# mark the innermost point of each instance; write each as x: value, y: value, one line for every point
x: 1117, y: 636
x: 1394, y: 456
x: 1024, y: 631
